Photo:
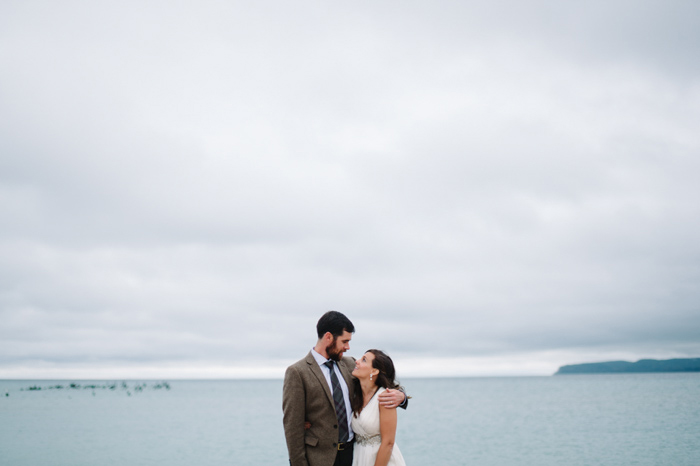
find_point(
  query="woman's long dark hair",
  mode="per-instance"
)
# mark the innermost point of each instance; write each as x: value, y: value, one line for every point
x: 385, y: 379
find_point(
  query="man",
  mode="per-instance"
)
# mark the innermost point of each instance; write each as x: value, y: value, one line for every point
x: 316, y: 398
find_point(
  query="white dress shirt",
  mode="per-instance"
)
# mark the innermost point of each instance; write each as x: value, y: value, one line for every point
x: 343, y: 386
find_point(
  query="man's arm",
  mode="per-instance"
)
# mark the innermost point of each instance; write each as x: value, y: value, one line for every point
x: 392, y: 398
x: 293, y: 408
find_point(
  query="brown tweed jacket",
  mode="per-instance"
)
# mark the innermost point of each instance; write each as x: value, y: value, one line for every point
x: 307, y: 397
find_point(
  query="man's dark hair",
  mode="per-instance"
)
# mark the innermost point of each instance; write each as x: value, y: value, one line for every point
x: 334, y: 322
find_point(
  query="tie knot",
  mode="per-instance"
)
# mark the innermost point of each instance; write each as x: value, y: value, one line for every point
x: 328, y: 364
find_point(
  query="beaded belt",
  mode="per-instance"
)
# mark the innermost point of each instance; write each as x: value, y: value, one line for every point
x: 375, y: 439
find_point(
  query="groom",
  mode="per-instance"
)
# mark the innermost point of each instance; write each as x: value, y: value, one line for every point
x: 317, y: 392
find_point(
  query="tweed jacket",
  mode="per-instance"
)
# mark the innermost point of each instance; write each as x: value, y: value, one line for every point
x: 307, y: 397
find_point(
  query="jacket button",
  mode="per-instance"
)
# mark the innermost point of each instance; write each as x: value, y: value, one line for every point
x: 335, y: 444
x: 335, y: 426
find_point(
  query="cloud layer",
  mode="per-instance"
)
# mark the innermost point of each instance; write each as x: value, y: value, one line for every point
x: 186, y: 188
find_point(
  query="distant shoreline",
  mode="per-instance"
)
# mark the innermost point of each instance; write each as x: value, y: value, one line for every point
x: 626, y: 367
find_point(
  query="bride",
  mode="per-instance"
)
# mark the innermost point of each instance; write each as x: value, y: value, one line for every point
x: 373, y: 424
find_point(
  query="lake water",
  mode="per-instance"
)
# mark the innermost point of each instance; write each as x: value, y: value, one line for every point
x: 635, y: 419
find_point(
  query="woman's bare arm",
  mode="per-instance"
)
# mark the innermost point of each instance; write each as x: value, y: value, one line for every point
x: 387, y: 429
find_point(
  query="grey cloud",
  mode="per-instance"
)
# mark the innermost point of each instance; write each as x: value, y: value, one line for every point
x: 191, y: 184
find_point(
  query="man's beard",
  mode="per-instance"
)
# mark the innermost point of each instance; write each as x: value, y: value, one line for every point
x: 332, y: 351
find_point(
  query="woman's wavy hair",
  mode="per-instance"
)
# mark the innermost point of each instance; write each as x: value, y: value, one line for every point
x: 385, y: 379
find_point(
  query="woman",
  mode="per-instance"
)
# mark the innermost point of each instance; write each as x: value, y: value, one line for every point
x: 374, y: 425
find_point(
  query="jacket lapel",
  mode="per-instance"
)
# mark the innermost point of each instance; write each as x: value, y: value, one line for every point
x: 346, y: 367
x: 315, y: 370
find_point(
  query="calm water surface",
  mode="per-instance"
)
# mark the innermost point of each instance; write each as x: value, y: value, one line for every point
x: 636, y: 419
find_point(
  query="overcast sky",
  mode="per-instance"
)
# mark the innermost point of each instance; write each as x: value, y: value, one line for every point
x: 484, y: 188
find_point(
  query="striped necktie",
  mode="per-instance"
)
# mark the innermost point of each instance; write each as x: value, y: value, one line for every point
x: 339, y: 402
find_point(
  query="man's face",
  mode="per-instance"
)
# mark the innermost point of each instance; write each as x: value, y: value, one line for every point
x: 338, y: 346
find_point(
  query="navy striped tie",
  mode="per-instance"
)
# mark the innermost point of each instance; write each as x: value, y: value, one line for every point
x: 339, y: 402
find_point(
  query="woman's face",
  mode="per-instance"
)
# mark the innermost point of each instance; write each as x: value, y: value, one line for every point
x: 363, y: 366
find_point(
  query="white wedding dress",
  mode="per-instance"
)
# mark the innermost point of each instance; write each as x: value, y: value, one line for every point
x: 367, y: 438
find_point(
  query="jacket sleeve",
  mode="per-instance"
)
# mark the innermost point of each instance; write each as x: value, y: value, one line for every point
x: 293, y: 408
x: 404, y: 405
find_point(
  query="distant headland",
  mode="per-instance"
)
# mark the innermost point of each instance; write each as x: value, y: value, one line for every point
x: 625, y: 367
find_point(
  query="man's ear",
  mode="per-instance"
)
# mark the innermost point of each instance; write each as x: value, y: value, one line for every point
x: 328, y: 337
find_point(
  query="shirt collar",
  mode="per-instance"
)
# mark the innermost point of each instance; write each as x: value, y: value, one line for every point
x: 319, y: 359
